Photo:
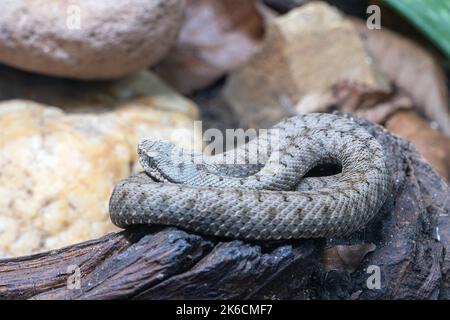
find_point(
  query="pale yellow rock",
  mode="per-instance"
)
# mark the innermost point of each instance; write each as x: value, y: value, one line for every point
x: 56, y: 172
x: 304, y: 53
x: 57, y: 169
x: 159, y: 124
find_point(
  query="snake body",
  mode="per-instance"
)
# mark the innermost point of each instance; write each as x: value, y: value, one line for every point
x: 270, y: 200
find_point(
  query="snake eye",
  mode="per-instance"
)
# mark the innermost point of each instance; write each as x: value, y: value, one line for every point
x: 151, y: 154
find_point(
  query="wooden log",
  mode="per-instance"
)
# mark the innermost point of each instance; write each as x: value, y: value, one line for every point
x: 411, y: 235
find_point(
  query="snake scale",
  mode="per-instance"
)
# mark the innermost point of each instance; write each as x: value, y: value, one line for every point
x: 271, y: 200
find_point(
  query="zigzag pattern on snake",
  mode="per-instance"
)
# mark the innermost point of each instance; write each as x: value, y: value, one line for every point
x: 271, y: 200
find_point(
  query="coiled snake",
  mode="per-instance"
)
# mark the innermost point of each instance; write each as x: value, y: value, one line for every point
x: 268, y: 200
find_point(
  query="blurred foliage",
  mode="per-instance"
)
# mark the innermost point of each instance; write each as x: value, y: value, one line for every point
x: 432, y: 17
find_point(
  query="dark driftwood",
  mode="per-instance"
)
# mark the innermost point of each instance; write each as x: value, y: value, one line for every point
x: 411, y: 234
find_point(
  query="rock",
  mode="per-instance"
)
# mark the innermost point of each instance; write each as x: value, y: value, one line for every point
x: 431, y: 143
x: 166, y: 263
x: 57, y: 173
x: 305, y: 52
x: 158, y: 119
x: 94, y: 96
x: 58, y: 169
x: 87, y: 39
x: 202, y: 55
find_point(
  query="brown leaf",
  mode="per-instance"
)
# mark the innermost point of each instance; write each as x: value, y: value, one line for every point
x: 411, y: 68
x: 345, y: 258
x: 432, y: 144
x: 357, y: 98
x: 363, y: 101
x: 215, y: 38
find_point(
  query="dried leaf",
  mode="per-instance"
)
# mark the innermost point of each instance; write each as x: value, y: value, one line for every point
x: 214, y: 39
x: 363, y: 101
x: 432, y: 144
x: 411, y: 68
x: 345, y: 258
x: 357, y: 98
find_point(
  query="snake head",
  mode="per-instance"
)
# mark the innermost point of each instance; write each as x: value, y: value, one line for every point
x: 154, y: 156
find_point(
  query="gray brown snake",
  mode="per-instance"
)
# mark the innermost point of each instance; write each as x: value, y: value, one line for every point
x: 267, y: 201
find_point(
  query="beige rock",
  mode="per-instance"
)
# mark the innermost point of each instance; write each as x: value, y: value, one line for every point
x: 87, y: 39
x: 151, y: 117
x: 304, y: 53
x: 56, y: 175
x: 57, y: 169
